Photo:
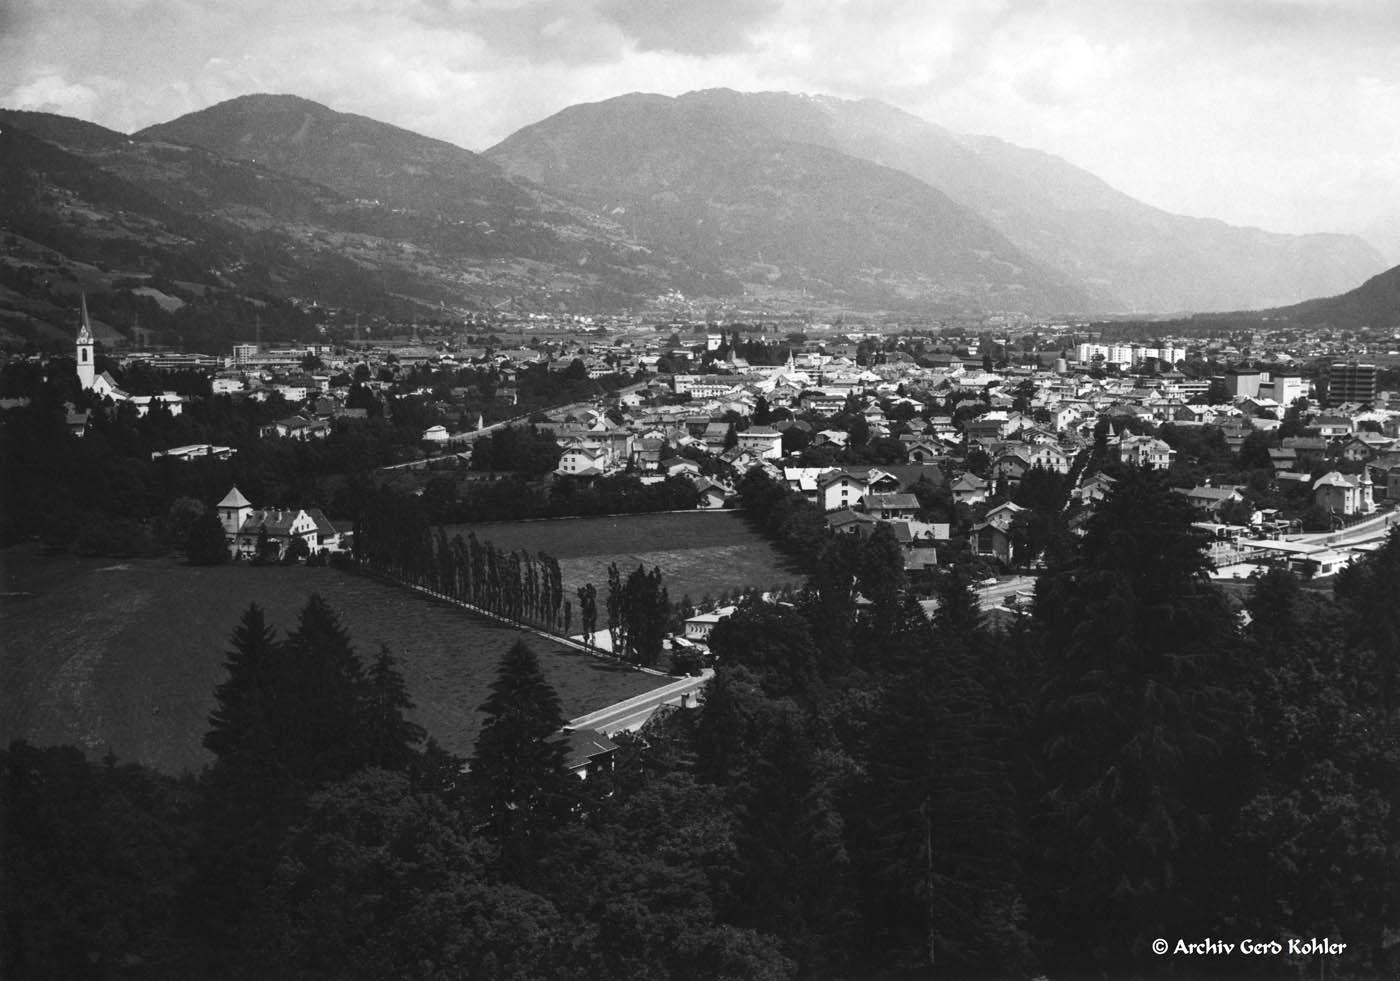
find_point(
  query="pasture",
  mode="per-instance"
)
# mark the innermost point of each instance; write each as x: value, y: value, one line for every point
x: 125, y: 655
x: 699, y: 552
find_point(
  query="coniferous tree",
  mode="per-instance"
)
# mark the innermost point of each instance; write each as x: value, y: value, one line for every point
x: 1136, y: 715
x: 938, y: 819
x: 519, y: 781
x: 320, y: 698
x: 242, y: 727
x: 389, y: 737
x: 793, y: 866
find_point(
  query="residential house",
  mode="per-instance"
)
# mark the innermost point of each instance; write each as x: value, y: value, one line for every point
x: 1209, y: 500
x: 991, y: 537
x: 1093, y: 489
x: 765, y: 443
x: 1145, y: 451
x: 583, y: 459
x: 970, y: 489
x: 1344, y: 494
x: 838, y: 489
x: 1311, y: 450
x: 1283, y: 459
x: 891, y: 507
x: 711, y: 495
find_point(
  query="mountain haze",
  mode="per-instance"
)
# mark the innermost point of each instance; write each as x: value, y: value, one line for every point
x: 780, y: 214
x: 265, y: 211
x: 1130, y: 256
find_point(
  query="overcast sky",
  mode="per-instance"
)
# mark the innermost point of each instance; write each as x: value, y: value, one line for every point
x: 1279, y: 113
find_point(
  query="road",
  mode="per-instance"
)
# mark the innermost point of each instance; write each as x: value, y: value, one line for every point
x: 993, y: 596
x: 990, y: 597
x: 631, y: 714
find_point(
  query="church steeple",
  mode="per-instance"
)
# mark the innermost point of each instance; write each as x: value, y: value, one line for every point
x: 87, y: 367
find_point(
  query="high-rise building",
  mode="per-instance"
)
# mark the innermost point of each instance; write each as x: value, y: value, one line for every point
x: 1351, y: 382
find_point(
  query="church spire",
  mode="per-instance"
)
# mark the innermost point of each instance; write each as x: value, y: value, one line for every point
x: 85, y: 332
x: 87, y: 366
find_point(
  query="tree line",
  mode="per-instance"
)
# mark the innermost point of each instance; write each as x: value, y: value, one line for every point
x: 395, y: 538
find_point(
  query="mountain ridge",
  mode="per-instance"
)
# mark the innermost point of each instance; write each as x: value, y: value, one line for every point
x: 1138, y: 256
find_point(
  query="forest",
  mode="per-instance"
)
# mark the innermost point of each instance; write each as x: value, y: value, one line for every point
x: 864, y: 792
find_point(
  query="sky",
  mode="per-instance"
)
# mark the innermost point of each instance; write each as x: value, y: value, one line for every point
x: 1281, y: 114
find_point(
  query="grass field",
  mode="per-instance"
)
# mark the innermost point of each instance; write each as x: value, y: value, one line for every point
x: 125, y: 655
x: 699, y: 552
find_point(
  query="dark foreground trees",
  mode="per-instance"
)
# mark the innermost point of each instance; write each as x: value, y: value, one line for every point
x: 865, y: 791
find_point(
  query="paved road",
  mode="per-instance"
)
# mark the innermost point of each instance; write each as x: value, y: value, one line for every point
x: 631, y: 714
x: 992, y: 596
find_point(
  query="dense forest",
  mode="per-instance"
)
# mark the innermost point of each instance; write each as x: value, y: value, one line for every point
x: 864, y: 792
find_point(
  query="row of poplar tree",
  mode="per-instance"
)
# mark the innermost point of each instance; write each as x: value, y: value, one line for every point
x: 394, y: 538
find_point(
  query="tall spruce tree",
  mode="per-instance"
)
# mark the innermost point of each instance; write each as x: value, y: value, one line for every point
x: 321, y: 698
x: 518, y: 775
x: 1135, y: 717
x: 389, y: 737
x: 242, y: 726
x: 937, y: 829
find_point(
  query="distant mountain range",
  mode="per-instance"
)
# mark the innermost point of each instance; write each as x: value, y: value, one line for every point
x: 761, y: 199
x: 1128, y: 256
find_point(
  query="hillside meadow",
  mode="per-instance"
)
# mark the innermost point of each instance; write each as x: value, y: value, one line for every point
x: 699, y: 553
x: 125, y: 655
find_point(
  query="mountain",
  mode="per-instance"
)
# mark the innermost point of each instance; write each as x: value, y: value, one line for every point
x: 441, y: 196
x: 1127, y: 255
x: 1375, y: 303
x: 235, y: 246
x: 786, y: 217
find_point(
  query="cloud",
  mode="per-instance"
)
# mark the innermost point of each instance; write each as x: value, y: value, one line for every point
x: 694, y: 27
x: 52, y: 93
x: 1272, y: 112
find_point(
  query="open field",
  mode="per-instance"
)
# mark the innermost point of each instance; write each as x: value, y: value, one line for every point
x: 699, y: 552
x: 126, y: 655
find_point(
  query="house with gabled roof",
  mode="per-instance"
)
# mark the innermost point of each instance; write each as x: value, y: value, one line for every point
x: 991, y: 537
x: 891, y: 507
x: 970, y: 489
x: 838, y: 489
x: 583, y: 459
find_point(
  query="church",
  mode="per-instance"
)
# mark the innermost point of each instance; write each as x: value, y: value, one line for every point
x: 104, y: 386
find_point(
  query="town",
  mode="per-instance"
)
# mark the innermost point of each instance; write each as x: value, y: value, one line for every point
x: 973, y: 444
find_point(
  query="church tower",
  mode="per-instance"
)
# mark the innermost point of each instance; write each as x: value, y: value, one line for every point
x: 87, y: 367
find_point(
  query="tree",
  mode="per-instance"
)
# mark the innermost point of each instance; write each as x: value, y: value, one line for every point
x: 588, y: 610
x: 388, y: 736
x: 518, y: 774
x: 731, y: 437
x: 1136, y: 717
x: 646, y: 610
x: 241, y: 727
x: 205, y: 543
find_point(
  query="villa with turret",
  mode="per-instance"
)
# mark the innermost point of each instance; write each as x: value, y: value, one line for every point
x: 245, y: 527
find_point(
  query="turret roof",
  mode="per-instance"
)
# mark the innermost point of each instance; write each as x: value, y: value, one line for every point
x: 235, y: 499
